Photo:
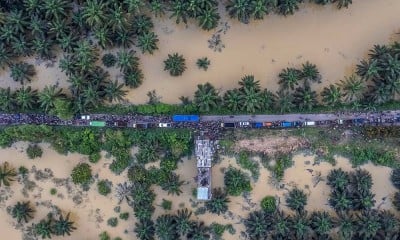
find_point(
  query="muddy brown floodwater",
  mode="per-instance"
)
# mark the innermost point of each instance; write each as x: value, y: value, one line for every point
x: 333, y: 39
x: 91, y: 214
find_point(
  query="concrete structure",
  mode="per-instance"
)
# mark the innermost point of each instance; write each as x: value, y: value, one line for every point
x: 204, y: 154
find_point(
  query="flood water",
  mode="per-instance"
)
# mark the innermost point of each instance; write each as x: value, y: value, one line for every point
x: 91, y: 215
x: 335, y: 40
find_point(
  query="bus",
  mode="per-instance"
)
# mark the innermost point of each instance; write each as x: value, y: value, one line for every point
x: 97, y: 123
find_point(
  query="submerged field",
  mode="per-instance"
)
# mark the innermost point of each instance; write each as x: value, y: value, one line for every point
x: 91, y: 211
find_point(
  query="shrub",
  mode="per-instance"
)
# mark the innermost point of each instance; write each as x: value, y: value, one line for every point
x: 236, y: 182
x: 23, y: 171
x: 243, y: 159
x: 104, y: 187
x: 104, y: 236
x: 175, y: 64
x: 217, y: 229
x: 166, y: 205
x: 395, y: 177
x: 268, y: 204
x: 124, y: 216
x: 109, y: 60
x: 34, y: 151
x: 53, y: 191
x: 396, y: 201
x: 203, y: 63
x: 296, y: 200
x: 113, y: 222
x: 94, y: 157
x: 137, y: 174
x: 81, y: 174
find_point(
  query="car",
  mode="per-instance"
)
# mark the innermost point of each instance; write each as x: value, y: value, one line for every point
x: 228, y: 125
x: 267, y: 124
x: 85, y: 117
x: 244, y: 124
x: 310, y: 123
x: 164, y: 125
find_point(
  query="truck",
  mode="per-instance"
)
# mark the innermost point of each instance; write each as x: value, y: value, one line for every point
x: 358, y: 121
x: 228, y: 125
x: 286, y: 124
x: 310, y: 123
x: 244, y: 124
x: 139, y: 125
x: 164, y: 125
x: 267, y: 124
x: 257, y: 124
x: 186, y: 118
x: 97, y: 123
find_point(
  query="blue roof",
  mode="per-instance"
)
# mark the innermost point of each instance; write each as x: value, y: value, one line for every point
x: 186, y: 118
x: 202, y: 193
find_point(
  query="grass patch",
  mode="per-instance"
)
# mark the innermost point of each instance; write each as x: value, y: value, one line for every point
x: 244, y: 160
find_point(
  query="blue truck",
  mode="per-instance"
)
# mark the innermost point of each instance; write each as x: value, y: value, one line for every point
x: 286, y: 124
x: 186, y: 118
x: 257, y: 124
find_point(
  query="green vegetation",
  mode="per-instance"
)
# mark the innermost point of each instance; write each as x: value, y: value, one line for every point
x: 22, y: 72
x: 166, y: 205
x: 175, y: 64
x: 296, y: 200
x: 43, y: 229
x: 22, y: 211
x: 104, y: 236
x: 219, y: 202
x: 268, y: 204
x: 109, y: 60
x: 203, y: 63
x: 34, y: 151
x: 244, y: 160
x: 7, y: 174
x: 124, y: 216
x: 104, y: 187
x: 53, y: 191
x: 236, y: 182
x: 62, y: 226
x: 113, y: 222
x: 81, y: 174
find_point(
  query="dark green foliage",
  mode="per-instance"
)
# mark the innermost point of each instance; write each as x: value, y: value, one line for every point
x: 338, y: 179
x: 268, y: 204
x: 183, y: 222
x: 244, y: 160
x: 22, y: 211
x: 301, y: 226
x: 144, y: 229
x: 175, y: 64
x: 94, y: 157
x: 109, y: 60
x: 81, y: 174
x: 395, y: 178
x: 23, y: 171
x: 217, y: 230
x: 219, y: 202
x: 296, y: 200
x: 347, y: 226
x: 206, y: 97
x: 142, y: 24
x: 22, y: 72
x: 257, y: 224
x: 147, y: 42
x: 321, y: 223
x: 53, y: 191
x: 34, y: 151
x: 165, y: 227
x: 113, y: 222
x: 199, y: 231
x: 288, y: 7
x: 396, y: 201
x: 332, y: 95
x: 172, y: 184
x: 43, y: 229
x: 289, y: 78
x: 203, y: 63
x: 166, y: 205
x: 62, y: 226
x: 138, y: 174
x: 104, y: 236
x: 7, y: 174
x: 368, y: 224
x: 236, y: 182
x: 104, y: 187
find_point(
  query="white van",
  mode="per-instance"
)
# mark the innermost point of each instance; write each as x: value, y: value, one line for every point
x: 310, y: 123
